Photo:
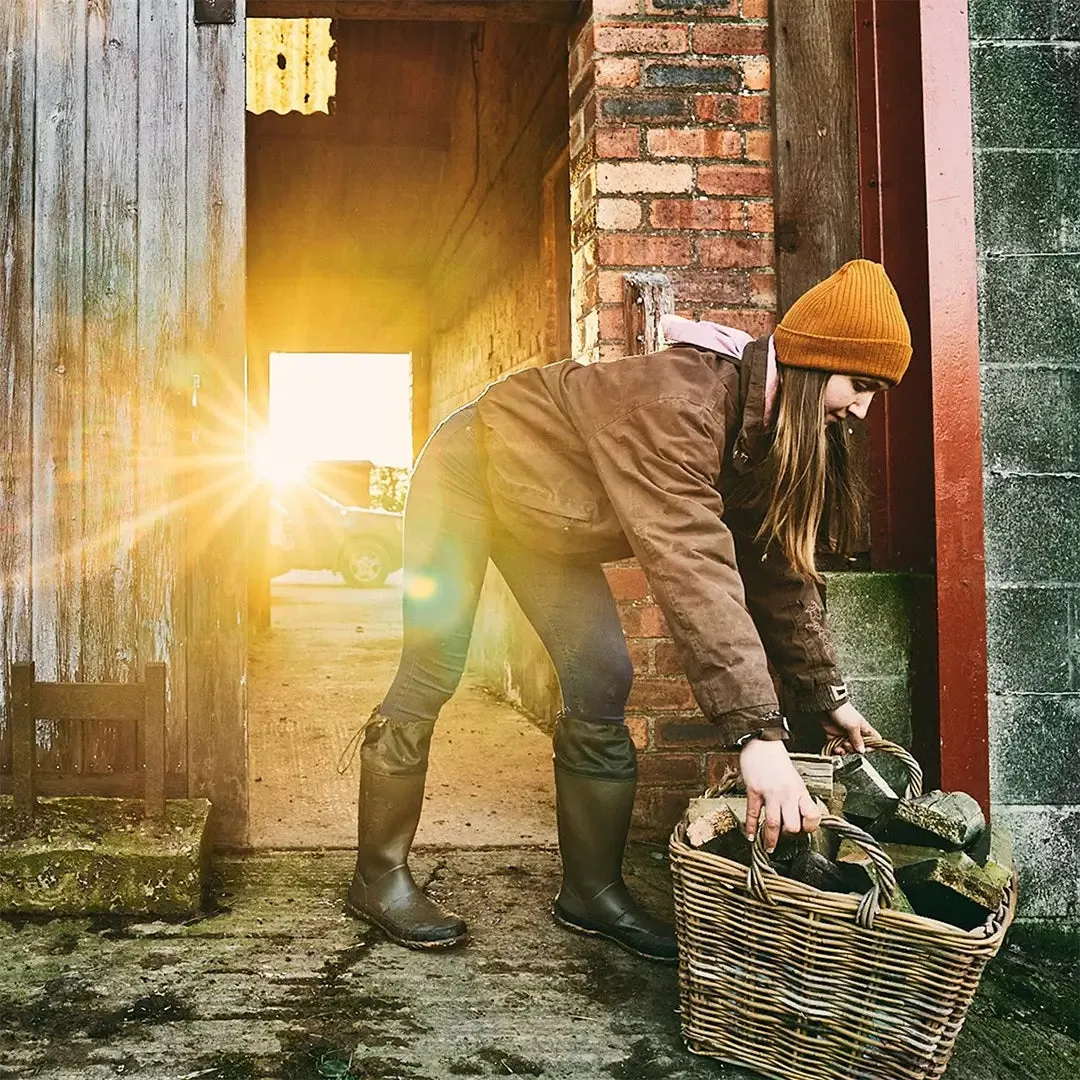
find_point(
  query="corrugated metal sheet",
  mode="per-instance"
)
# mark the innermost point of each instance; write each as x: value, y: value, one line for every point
x: 289, y: 67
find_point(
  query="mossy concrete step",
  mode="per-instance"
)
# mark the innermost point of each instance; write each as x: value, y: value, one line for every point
x: 90, y: 855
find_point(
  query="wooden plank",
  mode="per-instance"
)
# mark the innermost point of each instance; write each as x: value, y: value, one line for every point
x: 646, y: 296
x: 154, y: 740
x: 217, y: 619
x: 69, y: 702
x: 24, y: 765
x: 110, y: 391
x: 17, y: 45
x: 952, y: 270
x: 560, y: 12
x: 164, y: 391
x: 555, y: 257
x: 59, y: 230
x: 816, y: 181
x: 124, y: 785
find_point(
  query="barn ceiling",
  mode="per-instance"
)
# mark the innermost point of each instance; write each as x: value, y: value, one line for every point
x: 370, y: 189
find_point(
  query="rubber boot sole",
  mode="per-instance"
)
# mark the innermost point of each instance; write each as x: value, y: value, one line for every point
x: 408, y: 943
x: 593, y: 931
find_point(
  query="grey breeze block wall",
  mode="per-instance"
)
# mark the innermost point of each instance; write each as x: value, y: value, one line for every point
x: 1025, y: 81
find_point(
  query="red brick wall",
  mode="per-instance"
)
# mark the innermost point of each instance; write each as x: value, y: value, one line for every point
x: 670, y: 143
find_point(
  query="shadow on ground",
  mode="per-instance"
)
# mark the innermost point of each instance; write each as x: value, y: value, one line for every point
x: 275, y: 982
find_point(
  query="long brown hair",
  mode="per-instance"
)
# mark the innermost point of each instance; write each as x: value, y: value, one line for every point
x: 811, y: 468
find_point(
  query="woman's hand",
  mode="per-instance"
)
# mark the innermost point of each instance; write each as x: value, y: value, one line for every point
x: 848, y: 723
x: 775, y: 792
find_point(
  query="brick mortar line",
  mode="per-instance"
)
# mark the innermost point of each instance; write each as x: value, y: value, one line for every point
x: 990, y: 256
x: 1035, y: 693
x: 1000, y: 585
x: 1011, y: 474
x: 1026, y: 150
x: 1041, y: 807
x: 1068, y: 44
x: 1020, y: 365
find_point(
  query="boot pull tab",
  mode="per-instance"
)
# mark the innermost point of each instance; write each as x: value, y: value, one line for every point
x: 349, y: 753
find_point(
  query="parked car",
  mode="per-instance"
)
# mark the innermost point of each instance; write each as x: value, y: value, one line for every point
x: 311, y: 531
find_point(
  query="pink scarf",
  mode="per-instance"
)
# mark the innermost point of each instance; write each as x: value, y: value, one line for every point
x: 722, y: 339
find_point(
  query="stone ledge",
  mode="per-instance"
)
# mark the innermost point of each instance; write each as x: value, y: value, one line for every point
x: 90, y: 855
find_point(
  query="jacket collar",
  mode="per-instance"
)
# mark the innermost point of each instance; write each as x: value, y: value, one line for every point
x: 753, y: 441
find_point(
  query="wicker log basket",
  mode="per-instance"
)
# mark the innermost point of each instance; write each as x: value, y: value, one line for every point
x: 800, y: 984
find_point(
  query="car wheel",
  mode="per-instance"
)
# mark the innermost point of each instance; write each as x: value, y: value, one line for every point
x: 365, y: 566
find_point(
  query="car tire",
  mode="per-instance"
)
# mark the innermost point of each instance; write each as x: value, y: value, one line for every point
x: 364, y: 565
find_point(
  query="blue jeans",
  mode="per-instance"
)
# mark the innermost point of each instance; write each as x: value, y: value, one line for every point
x: 450, y: 533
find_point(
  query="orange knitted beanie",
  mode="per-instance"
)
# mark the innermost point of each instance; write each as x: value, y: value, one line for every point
x: 850, y: 323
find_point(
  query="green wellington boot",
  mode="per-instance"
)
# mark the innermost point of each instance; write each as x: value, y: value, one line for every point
x: 595, y: 780
x: 392, y: 773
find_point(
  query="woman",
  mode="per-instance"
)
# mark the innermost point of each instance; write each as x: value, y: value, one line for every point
x: 710, y: 462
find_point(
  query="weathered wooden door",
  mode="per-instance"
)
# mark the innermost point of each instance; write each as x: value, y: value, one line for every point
x: 122, y: 362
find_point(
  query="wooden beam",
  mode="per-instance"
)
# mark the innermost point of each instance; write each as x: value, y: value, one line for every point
x: 954, y: 346
x: 521, y: 11
x: 816, y: 180
x: 154, y: 740
x: 215, y: 532
x: 23, y: 764
x: 18, y: 40
x: 918, y: 219
x: 646, y: 296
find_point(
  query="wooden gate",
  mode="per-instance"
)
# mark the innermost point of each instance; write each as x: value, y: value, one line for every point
x: 121, y: 399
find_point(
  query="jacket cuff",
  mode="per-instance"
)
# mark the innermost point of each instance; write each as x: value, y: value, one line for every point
x: 821, y: 697
x: 734, y: 726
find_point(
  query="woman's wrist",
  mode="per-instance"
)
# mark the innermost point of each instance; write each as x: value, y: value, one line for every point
x: 772, y: 727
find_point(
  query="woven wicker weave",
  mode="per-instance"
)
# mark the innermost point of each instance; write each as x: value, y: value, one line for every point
x: 800, y: 984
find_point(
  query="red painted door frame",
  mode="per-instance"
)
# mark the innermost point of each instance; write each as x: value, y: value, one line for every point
x: 918, y: 218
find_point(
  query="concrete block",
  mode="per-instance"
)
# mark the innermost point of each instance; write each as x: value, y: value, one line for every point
x: 946, y: 820
x: 1032, y: 529
x: 1029, y: 640
x: 1029, y: 418
x: 952, y: 888
x: 886, y: 703
x: 1045, y: 291
x: 1034, y: 748
x: 87, y: 856
x: 870, y: 622
x: 1023, y: 20
x: 1047, y: 852
x: 1025, y: 96
x: 1026, y: 201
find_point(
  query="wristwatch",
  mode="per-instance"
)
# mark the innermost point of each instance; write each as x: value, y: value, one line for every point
x: 774, y: 728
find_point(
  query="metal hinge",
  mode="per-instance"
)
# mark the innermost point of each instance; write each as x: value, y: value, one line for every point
x: 215, y: 12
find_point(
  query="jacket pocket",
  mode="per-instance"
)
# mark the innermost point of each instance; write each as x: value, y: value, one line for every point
x: 551, y: 521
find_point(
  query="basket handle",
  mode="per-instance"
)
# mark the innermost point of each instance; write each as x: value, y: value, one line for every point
x: 880, y: 894
x: 914, y: 770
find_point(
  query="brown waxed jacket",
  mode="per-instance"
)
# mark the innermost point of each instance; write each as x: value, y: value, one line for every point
x: 660, y: 456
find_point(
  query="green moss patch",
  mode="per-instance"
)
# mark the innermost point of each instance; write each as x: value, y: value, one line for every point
x: 87, y: 855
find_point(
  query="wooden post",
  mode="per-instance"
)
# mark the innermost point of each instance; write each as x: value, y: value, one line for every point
x: 23, y: 741
x: 154, y: 740
x: 816, y: 181
x: 646, y: 296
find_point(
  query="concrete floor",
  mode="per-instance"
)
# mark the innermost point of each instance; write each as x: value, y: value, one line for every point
x: 315, y: 676
x: 278, y: 984
x: 275, y: 982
